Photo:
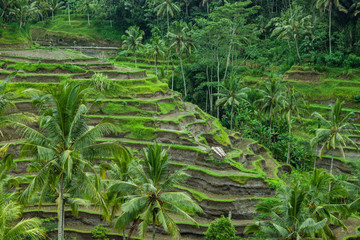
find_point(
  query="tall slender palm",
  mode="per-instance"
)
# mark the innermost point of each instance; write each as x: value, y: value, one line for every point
x: 291, y: 25
x: 231, y: 94
x: 330, y: 5
x: 151, y: 197
x: 132, y: 40
x: 88, y: 6
x: 294, y: 104
x: 333, y: 134
x: 53, y: 6
x: 182, y: 42
x: 64, y: 149
x: 273, y: 99
x: 156, y: 50
x: 169, y: 8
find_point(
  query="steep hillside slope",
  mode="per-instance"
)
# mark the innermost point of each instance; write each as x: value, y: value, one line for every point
x: 148, y: 112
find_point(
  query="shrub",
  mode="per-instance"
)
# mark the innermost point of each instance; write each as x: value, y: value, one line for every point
x: 101, y: 82
x: 221, y: 229
x: 99, y: 232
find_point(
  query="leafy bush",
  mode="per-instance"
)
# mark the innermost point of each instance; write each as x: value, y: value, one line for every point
x: 101, y: 82
x: 99, y: 232
x: 220, y: 229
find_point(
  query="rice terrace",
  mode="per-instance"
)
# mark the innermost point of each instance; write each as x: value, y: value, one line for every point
x: 176, y: 119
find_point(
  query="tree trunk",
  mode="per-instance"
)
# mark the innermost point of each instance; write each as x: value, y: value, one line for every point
x: 133, y: 227
x: 228, y: 56
x: 231, y: 118
x: 61, y: 210
x: 52, y: 15
x: 172, y: 80
x: 134, y: 50
x: 153, y: 226
x: 167, y: 20
x: 332, y: 162
x: 124, y: 235
x: 69, y: 13
x: 330, y: 8
x: 156, y: 72
x: 88, y: 16
x: 297, y: 49
x: 218, y: 78
x: 289, y: 143
x: 183, y: 75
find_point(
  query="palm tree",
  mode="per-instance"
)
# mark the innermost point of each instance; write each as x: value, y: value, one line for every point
x: 231, y: 94
x: 334, y: 132
x: 5, y: 5
x: 24, y: 9
x: 53, y: 6
x: 180, y: 36
x: 169, y: 8
x: 64, y: 148
x: 88, y: 7
x: 155, y: 50
x: 291, y: 25
x: 133, y: 39
x: 293, y: 222
x: 294, y: 104
x: 10, y: 228
x: 330, y: 5
x: 151, y: 198
x: 273, y: 99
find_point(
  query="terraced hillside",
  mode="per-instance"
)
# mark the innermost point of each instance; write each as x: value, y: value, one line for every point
x: 148, y: 112
x: 321, y: 88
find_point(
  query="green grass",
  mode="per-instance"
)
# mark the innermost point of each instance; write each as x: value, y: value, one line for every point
x: 34, y: 67
x: 10, y: 34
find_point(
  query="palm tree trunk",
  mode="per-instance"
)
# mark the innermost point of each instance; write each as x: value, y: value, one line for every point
x: 167, y: 20
x: 156, y: 72
x: 228, y: 56
x: 183, y: 75
x: 330, y: 8
x: 231, y: 118
x: 218, y: 78
x: 297, y: 49
x: 69, y: 13
x: 153, y: 226
x: 52, y: 15
x: 332, y: 162
x: 88, y: 16
x: 289, y: 143
x: 172, y: 80
x: 124, y: 235
x: 135, y: 57
x: 133, y: 227
x: 61, y: 210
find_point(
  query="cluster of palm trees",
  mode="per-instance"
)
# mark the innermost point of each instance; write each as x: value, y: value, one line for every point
x: 178, y: 39
x: 276, y: 102
x: 72, y: 166
x: 307, y: 209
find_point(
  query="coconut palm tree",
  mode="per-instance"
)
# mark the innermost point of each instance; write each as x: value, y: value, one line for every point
x: 291, y: 25
x: 53, y: 6
x: 179, y: 35
x: 329, y: 5
x: 273, y: 99
x: 156, y: 50
x: 11, y: 228
x: 132, y: 40
x: 64, y: 148
x: 151, y: 199
x: 169, y: 8
x: 333, y: 133
x: 294, y: 104
x: 24, y: 10
x: 5, y: 4
x: 293, y: 222
x: 231, y: 94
